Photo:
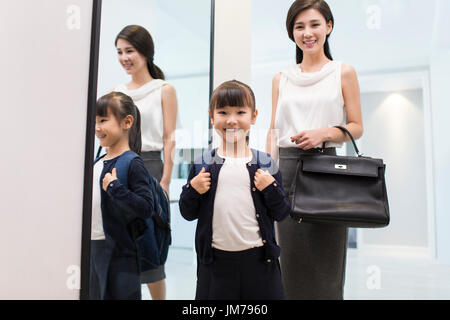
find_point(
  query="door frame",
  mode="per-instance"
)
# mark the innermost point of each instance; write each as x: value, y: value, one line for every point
x: 400, y: 80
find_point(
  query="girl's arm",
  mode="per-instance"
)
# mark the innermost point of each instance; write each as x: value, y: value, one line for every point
x: 271, y: 142
x: 275, y: 199
x: 350, y: 90
x: 268, y: 181
x: 136, y: 200
x: 169, y: 111
x: 190, y: 199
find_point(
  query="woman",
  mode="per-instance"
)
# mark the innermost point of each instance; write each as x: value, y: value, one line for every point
x: 157, y: 103
x: 308, y: 99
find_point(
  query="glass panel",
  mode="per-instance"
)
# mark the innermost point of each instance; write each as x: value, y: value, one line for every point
x: 181, y: 33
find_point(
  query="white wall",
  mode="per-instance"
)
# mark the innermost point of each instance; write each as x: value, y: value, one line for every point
x: 232, y: 41
x: 394, y: 132
x: 44, y: 106
x: 232, y: 44
x: 439, y: 82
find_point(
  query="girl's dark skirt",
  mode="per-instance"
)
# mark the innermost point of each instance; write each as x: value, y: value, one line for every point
x: 239, y: 275
x: 114, y: 275
x: 313, y: 256
x: 154, y: 165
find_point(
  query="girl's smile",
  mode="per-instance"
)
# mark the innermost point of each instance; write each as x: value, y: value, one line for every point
x: 233, y: 123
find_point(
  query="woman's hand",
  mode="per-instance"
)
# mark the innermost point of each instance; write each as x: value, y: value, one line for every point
x: 201, y: 182
x: 309, y: 139
x: 165, y: 186
x: 108, y: 178
x: 263, y: 179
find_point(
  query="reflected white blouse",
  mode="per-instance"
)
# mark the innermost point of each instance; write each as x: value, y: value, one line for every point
x: 148, y: 99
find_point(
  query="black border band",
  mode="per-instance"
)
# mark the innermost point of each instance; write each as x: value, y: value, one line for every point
x: 211, y: 69
x: 89, y: 151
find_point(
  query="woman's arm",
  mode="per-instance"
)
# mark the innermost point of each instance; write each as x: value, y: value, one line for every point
x: 169, y: 111
x: 272, y: 137
x: 352, y: 101
x: 350, y: 90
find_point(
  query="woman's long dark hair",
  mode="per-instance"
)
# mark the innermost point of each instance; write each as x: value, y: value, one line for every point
x: 142, y: 41
x: 301, y: 5
x: 121, y: 105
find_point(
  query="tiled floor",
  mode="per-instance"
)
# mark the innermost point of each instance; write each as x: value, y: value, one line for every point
x: 369, y: 276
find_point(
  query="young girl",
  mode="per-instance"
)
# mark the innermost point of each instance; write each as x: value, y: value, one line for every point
x: 310, y: 98
x: 115, y: 270
x: 236, y: 204
x: 157, y: 102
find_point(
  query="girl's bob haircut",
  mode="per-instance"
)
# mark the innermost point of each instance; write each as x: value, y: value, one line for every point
x: 232, y: 93
x: 121, y: 105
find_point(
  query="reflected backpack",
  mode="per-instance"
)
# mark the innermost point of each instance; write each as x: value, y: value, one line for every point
x: 152, y: 235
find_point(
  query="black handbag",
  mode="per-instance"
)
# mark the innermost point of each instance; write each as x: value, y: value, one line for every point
x: 340, y: 190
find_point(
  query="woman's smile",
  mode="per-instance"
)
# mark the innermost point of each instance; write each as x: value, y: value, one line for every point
x: 127, y: 65
x: 309, y: 43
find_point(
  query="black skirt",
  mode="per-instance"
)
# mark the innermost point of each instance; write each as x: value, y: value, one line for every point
x: 313, y: 256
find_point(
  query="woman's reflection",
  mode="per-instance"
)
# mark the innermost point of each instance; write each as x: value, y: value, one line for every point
x: 157, y: 103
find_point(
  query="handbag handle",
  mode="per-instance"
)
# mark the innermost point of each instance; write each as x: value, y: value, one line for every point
x: 351, y: 137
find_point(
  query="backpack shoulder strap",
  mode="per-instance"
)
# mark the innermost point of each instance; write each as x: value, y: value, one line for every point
x: 204, y: 161
x: 123, y: 165
x: 97, y: 159
x: 264, y: 161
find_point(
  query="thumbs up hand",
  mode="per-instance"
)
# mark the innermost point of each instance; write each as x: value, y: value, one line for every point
x: 201, y: 182
x: 263, y: 179
x: 108, y: 178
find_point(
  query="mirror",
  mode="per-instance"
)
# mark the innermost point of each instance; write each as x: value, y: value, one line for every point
x: 181, y: 34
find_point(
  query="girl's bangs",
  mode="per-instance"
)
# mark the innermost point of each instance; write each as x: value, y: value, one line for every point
x: 234, y: 97
x: 105, y: 103
x: 102, y: 107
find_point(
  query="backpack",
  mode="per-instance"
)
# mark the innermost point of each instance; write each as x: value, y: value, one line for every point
x: 153, y: 236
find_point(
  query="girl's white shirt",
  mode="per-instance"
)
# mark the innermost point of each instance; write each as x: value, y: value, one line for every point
x: 97, y: 232
x: 148, y: 99
x: 309, y: 101
x: 235, y: 227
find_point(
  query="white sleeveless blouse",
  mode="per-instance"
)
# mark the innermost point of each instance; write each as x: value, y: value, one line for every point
x: 148, y: 99
x: 309, y: 101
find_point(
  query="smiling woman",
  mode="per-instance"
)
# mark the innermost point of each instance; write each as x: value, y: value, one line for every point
x: 308, y: 99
